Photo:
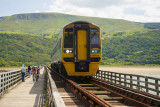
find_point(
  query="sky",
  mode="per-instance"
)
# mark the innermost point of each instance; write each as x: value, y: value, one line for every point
x: 132, y: 10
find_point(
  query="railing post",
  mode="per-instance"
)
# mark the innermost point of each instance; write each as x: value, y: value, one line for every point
x: 115, y: 80
x: 156, y: 86
x: 111, y: 77
x: 108, y: 76
x: 125, y: 80
x: 102, y: 75
x: 138, y: 83
x: 131, y: 82
x: 120, y: 82
x: 146, y: 83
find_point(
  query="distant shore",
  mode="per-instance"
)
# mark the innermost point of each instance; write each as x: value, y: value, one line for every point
x: 4, y: 69
x: 153, y: 70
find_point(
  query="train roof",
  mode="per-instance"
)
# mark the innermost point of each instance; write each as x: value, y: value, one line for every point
x: 79, y: 22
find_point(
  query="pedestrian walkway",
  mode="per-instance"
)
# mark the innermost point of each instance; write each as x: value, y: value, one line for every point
x: 26, y: 94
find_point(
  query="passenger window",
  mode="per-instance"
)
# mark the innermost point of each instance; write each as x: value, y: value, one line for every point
x: 68, y: 40
x: 95, y: 40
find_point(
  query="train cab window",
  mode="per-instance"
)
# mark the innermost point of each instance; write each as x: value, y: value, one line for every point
x: 94, y: 30
x: 69, y: 30
x: 95, y: 40
x: 68, y: 40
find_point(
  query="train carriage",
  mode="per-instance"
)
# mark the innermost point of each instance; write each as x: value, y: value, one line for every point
x: 78, y: 51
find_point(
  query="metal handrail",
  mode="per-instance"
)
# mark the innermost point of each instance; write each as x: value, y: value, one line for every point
x: 10, y: 79
x: 139, y: 82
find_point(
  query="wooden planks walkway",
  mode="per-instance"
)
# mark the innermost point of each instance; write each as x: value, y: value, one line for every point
x: 26, y: 94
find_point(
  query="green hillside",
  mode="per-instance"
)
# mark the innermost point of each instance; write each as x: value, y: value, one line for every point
x: 30, y: 38
x: 139, y: 47
x: 18, y: 48
x: 49, y: 23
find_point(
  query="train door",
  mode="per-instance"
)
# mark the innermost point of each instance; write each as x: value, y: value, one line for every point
x: 82, y: 48
x: 82, y: 44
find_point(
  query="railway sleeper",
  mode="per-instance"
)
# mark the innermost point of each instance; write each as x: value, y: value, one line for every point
x: 85, y: 92
x: 100, y: 92
x: 112, y: 98
x: 92, y: 88
x: 129, y: 96
x: 83, y: 99
x: 87, y: 85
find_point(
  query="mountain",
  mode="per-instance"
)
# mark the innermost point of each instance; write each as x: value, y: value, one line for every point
x: 51, y: 23
x: 152, y: 25
x: 30, y: 38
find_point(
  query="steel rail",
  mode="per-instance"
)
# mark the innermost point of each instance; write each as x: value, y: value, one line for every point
x: 129, y: 95
x: 133, y: 95
x: 89, y: 96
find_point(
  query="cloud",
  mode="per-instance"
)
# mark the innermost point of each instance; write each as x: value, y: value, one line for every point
x: 93, y: 3
x: 134, y: 10
x: 37, y: 11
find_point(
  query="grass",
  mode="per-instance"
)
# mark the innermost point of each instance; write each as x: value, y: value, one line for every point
x: 9, y: 68
x: 52, y: 23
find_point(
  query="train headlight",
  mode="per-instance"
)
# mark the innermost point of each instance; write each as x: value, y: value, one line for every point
x: 95, y: 51
x: 68, y: 51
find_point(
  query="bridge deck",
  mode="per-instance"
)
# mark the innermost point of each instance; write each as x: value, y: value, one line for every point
x: 26, y: 94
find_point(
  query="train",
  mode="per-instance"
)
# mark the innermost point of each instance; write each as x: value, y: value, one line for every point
x: 78, y: 50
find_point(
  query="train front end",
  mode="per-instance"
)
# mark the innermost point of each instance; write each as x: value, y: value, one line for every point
x: 81, y: 48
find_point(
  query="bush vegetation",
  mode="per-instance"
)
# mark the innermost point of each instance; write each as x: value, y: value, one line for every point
x: 17, y: 48
x: 124, y: 42
x: 131, y: 47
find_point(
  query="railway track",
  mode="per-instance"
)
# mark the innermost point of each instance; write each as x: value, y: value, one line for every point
x: 96, y: 92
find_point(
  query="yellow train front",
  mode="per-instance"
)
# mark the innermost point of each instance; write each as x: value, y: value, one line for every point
x: 80, y: 50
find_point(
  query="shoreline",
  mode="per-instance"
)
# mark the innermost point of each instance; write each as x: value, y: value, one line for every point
x: 145, y: 70
x: 9, y: 68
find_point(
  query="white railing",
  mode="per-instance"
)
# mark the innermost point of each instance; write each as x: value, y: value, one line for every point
x: 143, y: 83
x: 10, y: 79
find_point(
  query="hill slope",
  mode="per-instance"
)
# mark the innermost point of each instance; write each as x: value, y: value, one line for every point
x: 25, y: 48
x: 124, y: 42
x: 52, y: 23
x: 132, y: 47
x: 119, y: 48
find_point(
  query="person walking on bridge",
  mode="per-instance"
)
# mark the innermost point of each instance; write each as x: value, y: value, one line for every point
x: 34, y: 70
x: 23, y: 70
x: 37, y: 74
x: 29, y: 71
